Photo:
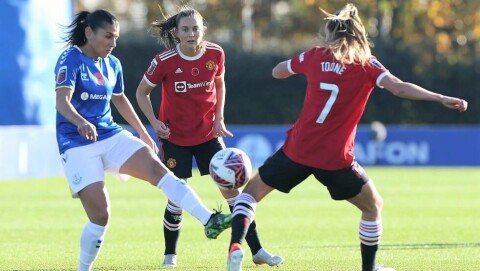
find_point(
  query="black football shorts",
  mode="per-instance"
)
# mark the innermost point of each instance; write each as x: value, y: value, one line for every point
x: 179, y: 158
x: 283, y: 174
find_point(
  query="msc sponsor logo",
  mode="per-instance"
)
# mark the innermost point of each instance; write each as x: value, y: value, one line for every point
x: 90, y: 96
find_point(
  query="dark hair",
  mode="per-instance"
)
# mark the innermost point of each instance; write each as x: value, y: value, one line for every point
x: 96, y: 19
x: 164, y: 29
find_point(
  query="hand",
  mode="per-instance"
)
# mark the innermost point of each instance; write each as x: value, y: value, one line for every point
x: 88, y: 131
x: 162, y: 130
x: 150, y: 142
x: 455, y: 103
x: 220, y: 130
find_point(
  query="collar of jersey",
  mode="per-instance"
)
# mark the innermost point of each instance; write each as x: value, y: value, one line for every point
x: 184, y: 56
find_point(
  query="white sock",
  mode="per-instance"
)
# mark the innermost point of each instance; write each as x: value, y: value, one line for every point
x: 370, y: 232
x: 182, y: 195
x: 90, y: 244
x: 245, y: 205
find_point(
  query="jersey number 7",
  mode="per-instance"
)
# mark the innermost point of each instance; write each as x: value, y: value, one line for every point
x: 331, y: 100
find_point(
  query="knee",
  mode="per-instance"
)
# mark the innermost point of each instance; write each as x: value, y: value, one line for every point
x: 155, y: 172
x: 101, y: 217
x: 257, y: 188
x: 374, y: 209
x: 378, y: 204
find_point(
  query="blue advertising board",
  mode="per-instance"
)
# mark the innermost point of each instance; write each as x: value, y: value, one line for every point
x: 403, y: 145
x: 29, y: 50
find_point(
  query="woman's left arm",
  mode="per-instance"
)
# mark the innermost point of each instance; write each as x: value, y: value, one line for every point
x: 219, y: 124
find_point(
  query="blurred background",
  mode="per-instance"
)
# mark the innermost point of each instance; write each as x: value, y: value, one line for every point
x: 435, y: 44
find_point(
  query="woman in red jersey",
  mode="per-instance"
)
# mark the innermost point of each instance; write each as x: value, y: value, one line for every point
x: 190, y: 122
x: 341, y: 74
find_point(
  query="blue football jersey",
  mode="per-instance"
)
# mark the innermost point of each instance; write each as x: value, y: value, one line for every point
x: 93, y: 84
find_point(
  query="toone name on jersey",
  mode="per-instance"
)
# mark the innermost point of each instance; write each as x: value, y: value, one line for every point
x: 332, y: 67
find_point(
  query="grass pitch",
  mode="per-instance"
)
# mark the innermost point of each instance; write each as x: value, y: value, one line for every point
x: 431, y: 222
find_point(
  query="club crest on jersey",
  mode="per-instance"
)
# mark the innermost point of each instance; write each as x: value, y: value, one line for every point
x: 195, y: 71
x: 62, y: 75
x: 153, y: 66
x: 377, y: 64
x: 171, y: 163
x: 210, y: 65
x: 77, y: 178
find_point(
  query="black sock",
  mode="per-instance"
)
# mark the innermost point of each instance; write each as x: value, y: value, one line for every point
x: 240, y: 225
x: 251, y: 236
x: 171, y: 233
x: 368, y: 256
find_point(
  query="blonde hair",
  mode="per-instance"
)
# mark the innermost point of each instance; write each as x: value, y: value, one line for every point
x: 164, y: 29
x: 346, y: 36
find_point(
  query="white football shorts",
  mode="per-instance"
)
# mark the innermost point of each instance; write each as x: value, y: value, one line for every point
x: 87, y: 164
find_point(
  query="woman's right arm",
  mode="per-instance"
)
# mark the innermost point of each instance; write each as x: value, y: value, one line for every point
x: 66, y: 109
x: 281, y: 71
x: 145, y: 104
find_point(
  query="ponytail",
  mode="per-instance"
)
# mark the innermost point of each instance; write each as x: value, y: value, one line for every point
x: 347, y: 36
x: 76, y: 30
x: 164, y: 29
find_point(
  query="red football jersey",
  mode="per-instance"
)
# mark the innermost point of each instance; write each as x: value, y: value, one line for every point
x: 188, y: 92
x: 336, y: 96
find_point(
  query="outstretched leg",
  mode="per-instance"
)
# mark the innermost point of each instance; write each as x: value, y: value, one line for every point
x: 145, y: 165
x: 243, y: 216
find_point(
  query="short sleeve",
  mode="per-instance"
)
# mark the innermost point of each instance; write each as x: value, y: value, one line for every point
x: 153, y: 74
x: 221, y: 64
x: 300, y: 63
x: 66, y: 71
x: 376, y: 70
x: 119, y: 85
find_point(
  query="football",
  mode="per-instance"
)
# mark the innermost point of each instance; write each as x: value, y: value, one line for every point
x: 230, y: 168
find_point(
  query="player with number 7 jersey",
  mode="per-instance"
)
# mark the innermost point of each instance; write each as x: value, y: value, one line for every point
x: 334, y: 103
x: 341, y: 74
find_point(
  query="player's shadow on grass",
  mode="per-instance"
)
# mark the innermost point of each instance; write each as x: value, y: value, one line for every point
x: 429, y: 246
x: 139, y: 268
x: 414, y: 246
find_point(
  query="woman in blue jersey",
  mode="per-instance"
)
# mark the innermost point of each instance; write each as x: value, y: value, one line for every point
x: 88, y: 78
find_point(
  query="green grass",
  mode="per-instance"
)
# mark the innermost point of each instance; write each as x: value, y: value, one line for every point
x: 431, y: 222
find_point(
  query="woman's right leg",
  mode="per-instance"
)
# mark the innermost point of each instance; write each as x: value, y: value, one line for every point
x: 95, y: 201
x: 370, y: 203
x: 145, y: 165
